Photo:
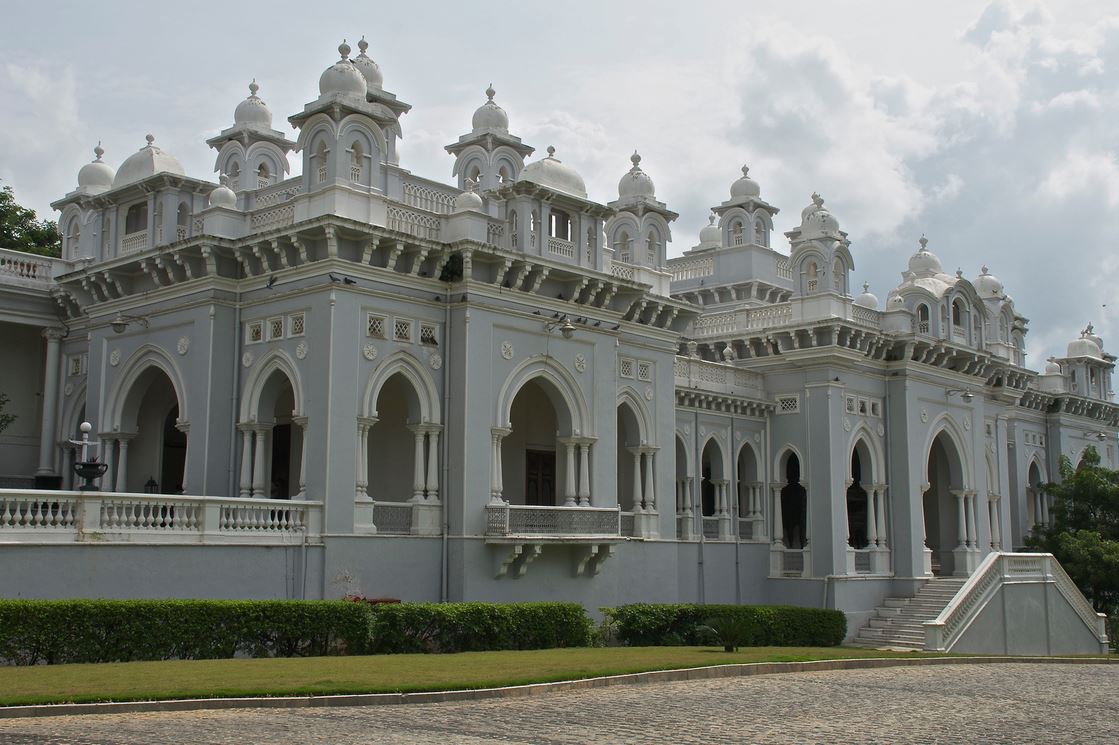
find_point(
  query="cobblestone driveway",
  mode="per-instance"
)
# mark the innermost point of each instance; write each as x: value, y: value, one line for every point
x: 1011, y: 703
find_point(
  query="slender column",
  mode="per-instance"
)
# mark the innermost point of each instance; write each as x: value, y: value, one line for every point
x: 778, y: 524
x: 108, y: 450
x: 972, y: 525
x: 755, y: 502
x: 361, y: 483
x: 121, y: 483
x: 433, y: 466
x: 880, y: 490
x: 961, y: 519
x: 246, y: 462
x: 1044, y: 507
x: 679, y: 495
x: 303, y: 425
x: 636, y: 454
x: 993, y: 510
x: 50, y: 402
x: 184, y: 427
x: 585, y: 474
x: 569, y: 481
x: 260, y: 478
x: 721, y: 490
x: 418, y: 465
x: 650, y: 496
x: 871, y: 517
x: 495, y: 469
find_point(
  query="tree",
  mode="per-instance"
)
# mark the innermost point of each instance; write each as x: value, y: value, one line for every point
x: 1084, y: 535
x: 21, y: 230
x: 5, y: 419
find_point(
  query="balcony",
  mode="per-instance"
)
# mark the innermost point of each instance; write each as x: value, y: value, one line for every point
x: 29, y: 270
x: 133, y: 242
x: 717, y: 377
x: 560, y: 247
x: 515, y: 521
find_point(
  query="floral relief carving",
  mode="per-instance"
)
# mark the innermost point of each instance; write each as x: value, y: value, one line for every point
x: 507, y: 350
x: 369, y: 352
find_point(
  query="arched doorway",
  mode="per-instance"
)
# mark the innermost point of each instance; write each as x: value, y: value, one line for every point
x: 532, y: 454
x: 794, y: 505
x: 749, y: 494
x: 148, y: 446
x: 712, y: 489
x: 272, y: 448
x: 630, y: 475
x: 946, y: 509
x: 1036, y: 500
x: 391, y: 453
x: 683, y: 492
x: 859, y: 526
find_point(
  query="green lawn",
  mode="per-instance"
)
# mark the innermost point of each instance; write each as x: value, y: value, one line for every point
x: 131, y: 681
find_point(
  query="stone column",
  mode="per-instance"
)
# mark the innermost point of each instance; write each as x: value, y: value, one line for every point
x: 50, y: 402
x: 433, y: 466
x: 246, y: 484
x: 184, y: 427
x: 993, y: 510
x: 961, y: 519
x: 497, y: 433
x: 303, y: 426
x: 260, y: 478
x: 778, y: 518
x: 585, y: 474
x: 121, y: 481
x: 108, y: 457
x: 880, y: 489
x: 650, y: 496
x: 569, y: 496
x: 871, y: 518
x: 635, y: 453
x: 418, y: 464
x: 972, y: 523
x: 361, y: 482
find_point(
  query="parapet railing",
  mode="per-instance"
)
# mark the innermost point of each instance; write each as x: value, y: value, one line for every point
x: 75, y: 516
x: 506, y: 520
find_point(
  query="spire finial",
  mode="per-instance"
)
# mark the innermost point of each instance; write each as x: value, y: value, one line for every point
x: 959, y: 273
x: 983, y: 269
x: 635, y: 159
x: 1089, y: 329
x: 711, y: 218
x: 344, y: 49
x: 745, y: 171
x: 924, y: 242
x: 490, y: 92
x: 817, y: 199
x: 551, y: 151
x: 866, y: 286
x: 99, y: 151
x: 253, y: 88
x: 362, y: 44
x: 223, y: 180
x: 150, y: 138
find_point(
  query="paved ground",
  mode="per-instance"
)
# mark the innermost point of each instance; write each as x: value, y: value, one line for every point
x: 1003, y: 703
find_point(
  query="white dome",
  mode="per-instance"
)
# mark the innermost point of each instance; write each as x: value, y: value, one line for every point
x: 1090, y: 333
x: 252, y: 112
x: 711, y: 236
x: 925, y: 262
x: 369, y: 69
x: 1052, y: 368
x: 988, y: 285
x: 468, y: 200
x: 98, y: 175
x: 489, y: 115
x: 1084, y: 347
x: 636, y: 183
x: 223, y: 196
x: 342, y: 77
x: 817, y: 222
x: 552, y: 173
x: 745, y: 186
x: 867, y: 299
x: 149, y: 161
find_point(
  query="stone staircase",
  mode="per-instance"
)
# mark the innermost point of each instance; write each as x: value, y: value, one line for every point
x: 897, y: 623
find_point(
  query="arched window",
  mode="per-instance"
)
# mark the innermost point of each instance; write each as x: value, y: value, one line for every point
x: 759, y: 233
x: 957, y: 313
x: 320, y: 160
x: 737, y: 237
x: 234, y: 175
x: 73, y: 236
x: 1004, y: 330
x: 355, y: 162
x: 503, y: 174
x: 534, y: 228
x: 813, y: 275
x: 837, y: 275
x: 621, y: 247
x: 560, y: 226
x: 652, y: 248
x: 182, y: 222
x: 136, y: 218
x: 262, y: 176
x: 922, y: 319
x: 513, y: 239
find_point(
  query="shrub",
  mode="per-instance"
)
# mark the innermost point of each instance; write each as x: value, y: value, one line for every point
x: 647, y: 624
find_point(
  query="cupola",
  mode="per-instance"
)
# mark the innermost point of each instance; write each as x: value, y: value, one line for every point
x: 867, y: 299
x: 369, y: 69
x: 817, y: 222
x: 342, y: 77
x: 490, y: 116
x: 636, y: 183
x: 252, y: 112
x: 223, y: 196
x: 148, y: 161
x: 987, y: 284
x: 97, y: 176
x: 710, y: 236
x: 745, y: 187
x: 553, y: 174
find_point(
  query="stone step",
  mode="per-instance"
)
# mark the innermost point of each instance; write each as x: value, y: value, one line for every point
x: 872, y: 631
x: 881, y: 623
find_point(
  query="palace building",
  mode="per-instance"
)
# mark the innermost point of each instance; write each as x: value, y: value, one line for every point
x: 363, y: 380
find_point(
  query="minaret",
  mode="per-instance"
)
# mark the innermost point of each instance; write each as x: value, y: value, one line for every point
x: 488, y: 155
x: 639, y: 233
x: 250, y: 153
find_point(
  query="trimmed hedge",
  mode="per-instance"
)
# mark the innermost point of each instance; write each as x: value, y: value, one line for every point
x: 653, y: 625
x: 60, y: 631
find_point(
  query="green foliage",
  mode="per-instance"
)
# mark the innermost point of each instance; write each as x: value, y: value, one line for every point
x: 5, y: 419
x: 648, y: 624
x: 474, y: 627
x: 1084, y: 535
x: 58, y: 631
x: 21, y: 230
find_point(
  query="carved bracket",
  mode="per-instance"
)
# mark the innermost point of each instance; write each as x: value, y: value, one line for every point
x: 520, y: 555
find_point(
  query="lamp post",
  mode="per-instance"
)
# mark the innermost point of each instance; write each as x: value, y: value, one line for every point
x: 88, y: 468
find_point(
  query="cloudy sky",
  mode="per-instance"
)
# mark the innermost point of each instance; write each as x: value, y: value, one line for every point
x: 993, y: 129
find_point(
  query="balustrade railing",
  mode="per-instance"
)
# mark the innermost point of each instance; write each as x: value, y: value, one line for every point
x: 20, y: 268
x: 134, y: 242
x: 557, y: 522
x: 743, y: 320
x: 628, y: 523
x: 560, y: 247
x: 393, y: 518
x: 273, y: 218
x: 711, y: 528
x: 413, y: 223
x: 623, y: 271
x: 34, y: 516
x: 691, y: 269
x: 691, y: 372
x: 428, y: 197
x: 277, y: 194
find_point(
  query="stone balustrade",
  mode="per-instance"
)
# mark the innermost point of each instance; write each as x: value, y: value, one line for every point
x: 717, y: 377
x: 30, y: 270
x: 74, y: 516
x: 514, y: 520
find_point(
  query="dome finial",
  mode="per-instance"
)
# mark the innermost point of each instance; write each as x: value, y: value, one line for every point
x: 1089, y: 329
x: 866, y: 286
x: 150, y: 138
x: 344, y: 49
x: 817, y: 199
x: 711, y: 219
x: 490, y: 92
x: 983, y: 270
x: 99, y: 151
x: 745, y: 170
x: 253, y: 88
x: 551, y: 151
x: 635, y: 159
x: 223, y: 180
x: 362, y: 44
x: 924, y: 242
x: 959, y: 273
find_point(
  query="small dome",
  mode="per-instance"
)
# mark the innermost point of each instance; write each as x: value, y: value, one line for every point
x: 1090, y: 333
x: 924, y: 262
x: 468, y: 200
x: 342, y: 77
x: 98, y: 175
x: 149, y: 161
x: 988, y: 285
x: 223, y: 196
x: 745, y: 186
x: 369, y: 69
x: 1084, y: 346
x: 817, y: 222
x: 895, y: 301
x: 1052, y: 368
x: 867, y: 299
x: 489, y: 115
x: 552, y: 173
x: 252, y: 112
x: 711, y: 236
x: 636, y: 183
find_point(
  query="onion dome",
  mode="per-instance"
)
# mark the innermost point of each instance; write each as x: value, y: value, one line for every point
x: 924, y: 262
x: 223, y: 196
x: 468, y: 200
x: 369, y: 69
x: 552, y: 173
x: 1084, y: 346
x: 817, y: 222
x: 987, y: 284
x: 1052, y: 367
x: 149, y: 161
x: 342, y: 77
x: 489, y: 115
x: 711, y: 236
x: 252, y: 112
x: 636, y: 183
x: 867, y: 299
x: 1090, y: 333
x: 745, y: 186
x: 98, y: 175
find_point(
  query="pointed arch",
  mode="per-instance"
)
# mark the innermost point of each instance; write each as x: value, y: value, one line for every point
x: 682, y: 449
x: 146, y: 357
x: 781, y: 460
x: 255, y: 383
x: 416, y: 374
x: 874, y: 471
x: 947, y: 425
x: 319, y: 124
x: 354, y: 123
x: 232, y: 151
x: 627, y: 396
x: 574, y: 412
